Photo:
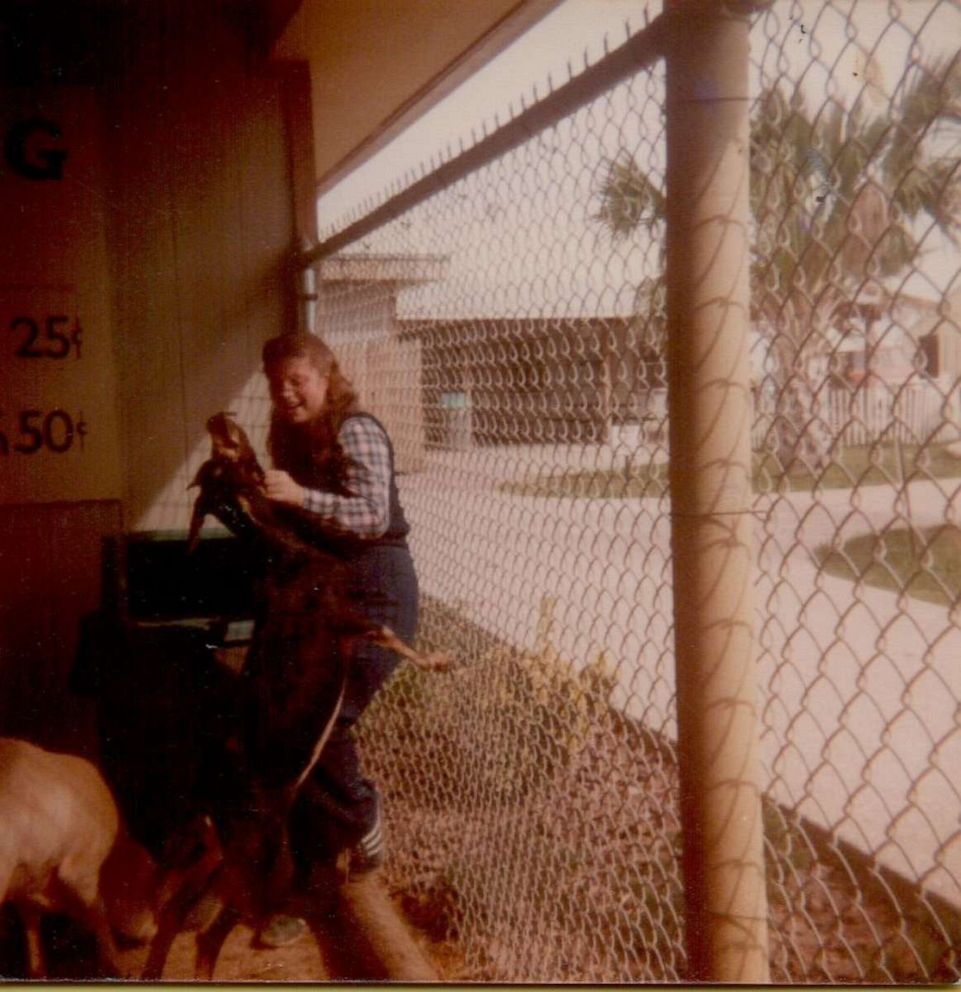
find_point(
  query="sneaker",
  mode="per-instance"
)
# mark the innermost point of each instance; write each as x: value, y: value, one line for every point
x: 368, y: 853
x: 281, y: 930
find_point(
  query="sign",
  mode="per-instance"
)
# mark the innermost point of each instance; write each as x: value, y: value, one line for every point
x: 28, y: 160
x: 56, y: 398
x: 58, y: 424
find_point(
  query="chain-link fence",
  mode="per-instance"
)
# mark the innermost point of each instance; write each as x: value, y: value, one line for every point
x: 504, y: 313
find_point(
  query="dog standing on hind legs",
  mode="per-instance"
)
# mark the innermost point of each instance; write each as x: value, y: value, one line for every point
x: 244, y: 868
x: 236, y: 864
x: 296, y: 669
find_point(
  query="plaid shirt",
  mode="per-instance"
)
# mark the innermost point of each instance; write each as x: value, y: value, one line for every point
x: 365, y: 511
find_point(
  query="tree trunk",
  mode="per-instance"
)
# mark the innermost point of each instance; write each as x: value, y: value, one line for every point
x: 801, y: 428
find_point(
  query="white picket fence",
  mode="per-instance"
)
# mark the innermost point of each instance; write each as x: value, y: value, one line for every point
x: 913, y: 413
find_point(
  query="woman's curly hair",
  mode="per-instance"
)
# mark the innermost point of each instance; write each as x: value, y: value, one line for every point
x: 306, y: 451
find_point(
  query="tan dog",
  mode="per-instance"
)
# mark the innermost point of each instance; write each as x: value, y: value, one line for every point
x: 61, y: 844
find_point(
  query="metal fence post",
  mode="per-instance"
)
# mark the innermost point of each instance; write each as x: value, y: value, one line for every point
x: 708, y: 231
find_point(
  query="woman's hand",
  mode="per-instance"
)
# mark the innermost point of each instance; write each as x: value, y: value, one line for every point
x: 282, y: 488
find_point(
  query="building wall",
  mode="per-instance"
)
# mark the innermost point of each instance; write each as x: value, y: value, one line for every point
x: 173, y: 253
x: 202, y: 227
x: 60, y: 482
x: 535, y: 382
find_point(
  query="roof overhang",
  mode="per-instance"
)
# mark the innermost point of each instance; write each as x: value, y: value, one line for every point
x: 378, y: 65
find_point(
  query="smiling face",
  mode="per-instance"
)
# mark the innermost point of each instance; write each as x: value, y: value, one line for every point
x: 298, y: 390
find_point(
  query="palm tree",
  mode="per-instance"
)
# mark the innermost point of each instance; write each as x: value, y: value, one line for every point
x: 838, y: 199
x: 631, y: 201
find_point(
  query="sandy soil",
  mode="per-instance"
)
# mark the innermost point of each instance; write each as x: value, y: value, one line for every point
x: 332, y: 951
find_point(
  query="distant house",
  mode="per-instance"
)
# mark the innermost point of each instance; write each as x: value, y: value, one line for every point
x: 873, y: 339
x: 938, y: 333
x: 899, y: 370
x: 883, y: 340
x: 884, y: 367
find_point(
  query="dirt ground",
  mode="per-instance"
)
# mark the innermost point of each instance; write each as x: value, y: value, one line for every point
x: 335, y: 950
x: 71, y: 956
x: 241, y: 961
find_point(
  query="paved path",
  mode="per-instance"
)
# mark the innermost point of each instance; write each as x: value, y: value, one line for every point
x: 860, y: 689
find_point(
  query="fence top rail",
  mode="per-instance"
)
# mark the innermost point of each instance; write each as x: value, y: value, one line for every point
x: 636, y: 54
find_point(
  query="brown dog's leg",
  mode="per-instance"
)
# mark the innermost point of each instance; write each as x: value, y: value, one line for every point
x: 212, y: 940
x: 196, y: 862
x: 434, y: 661
x: 169, y: 925
x: 96, y: 919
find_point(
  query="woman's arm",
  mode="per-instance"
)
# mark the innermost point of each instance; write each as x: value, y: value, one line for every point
x: 365, y: 510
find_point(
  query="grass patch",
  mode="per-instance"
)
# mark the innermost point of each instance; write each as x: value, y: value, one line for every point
x: 862, y: 465
x: 925, y: 564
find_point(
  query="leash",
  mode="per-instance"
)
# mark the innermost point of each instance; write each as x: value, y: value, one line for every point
x: 324, y: 736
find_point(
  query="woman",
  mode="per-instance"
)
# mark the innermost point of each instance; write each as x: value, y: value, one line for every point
x: 334, y: 467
